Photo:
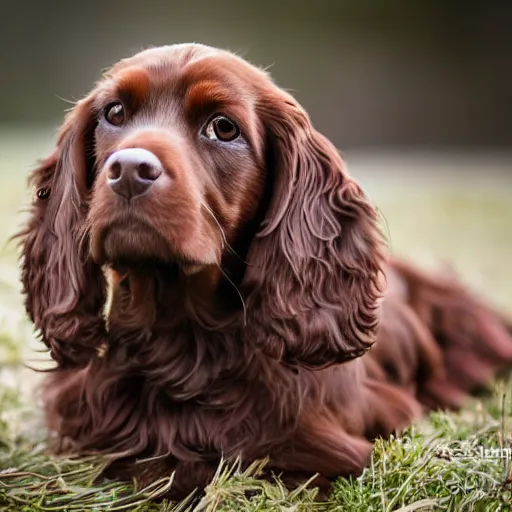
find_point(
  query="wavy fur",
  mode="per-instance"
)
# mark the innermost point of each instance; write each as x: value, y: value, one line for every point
x: 258, y: 353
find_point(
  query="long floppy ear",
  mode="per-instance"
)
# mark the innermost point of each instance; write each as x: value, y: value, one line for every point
x: 314, y: 275
x: 63, y: 287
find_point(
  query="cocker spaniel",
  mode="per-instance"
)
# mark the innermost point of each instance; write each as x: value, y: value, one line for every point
x: 210, y: 280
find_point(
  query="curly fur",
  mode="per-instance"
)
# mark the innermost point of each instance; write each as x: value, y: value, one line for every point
x: 157, y: 359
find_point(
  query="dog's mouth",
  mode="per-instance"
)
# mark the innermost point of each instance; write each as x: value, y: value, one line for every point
x: 126, y: 244
x: 134, y: 289
x: 138, y: 262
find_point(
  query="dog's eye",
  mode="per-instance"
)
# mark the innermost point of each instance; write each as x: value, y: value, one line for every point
x: 115, y: 113
x: 222, y: 128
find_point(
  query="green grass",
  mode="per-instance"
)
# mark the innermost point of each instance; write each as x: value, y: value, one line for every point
x: 433, y: 214
x: 436, y: 465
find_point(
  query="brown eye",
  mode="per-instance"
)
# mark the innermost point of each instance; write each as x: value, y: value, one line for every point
x: 115, y: 114
x: 43, y: 193
x: 222, y: 128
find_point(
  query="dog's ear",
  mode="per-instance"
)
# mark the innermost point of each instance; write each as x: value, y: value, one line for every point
x: 62, y: 285
x: 315, y: 270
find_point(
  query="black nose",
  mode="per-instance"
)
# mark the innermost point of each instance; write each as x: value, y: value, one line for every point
x: 132, y: 171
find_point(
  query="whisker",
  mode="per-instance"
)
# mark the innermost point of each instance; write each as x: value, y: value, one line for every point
x: 222, y: 234
x: 225, y: 243
x: 70, y: 102
x: 237, y: 291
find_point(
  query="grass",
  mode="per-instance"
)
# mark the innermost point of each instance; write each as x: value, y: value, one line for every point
x: 436, y: 465
x: 433, y: 213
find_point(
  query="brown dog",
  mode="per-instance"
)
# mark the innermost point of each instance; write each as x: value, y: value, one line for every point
x: 207, y: 277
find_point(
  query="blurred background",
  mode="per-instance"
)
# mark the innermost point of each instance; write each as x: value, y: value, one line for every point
x: 373, y: 73
x: 417, y: 95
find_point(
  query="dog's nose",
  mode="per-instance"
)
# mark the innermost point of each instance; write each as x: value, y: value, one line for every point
x: 132, y: 171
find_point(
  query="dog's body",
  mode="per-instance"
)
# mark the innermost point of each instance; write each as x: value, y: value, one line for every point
x: 209, y: 281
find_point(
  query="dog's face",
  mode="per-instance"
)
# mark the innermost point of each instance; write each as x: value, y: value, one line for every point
x: 183, y: 156
x: 178, y: 153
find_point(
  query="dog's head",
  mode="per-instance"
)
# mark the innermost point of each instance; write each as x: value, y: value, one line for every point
x: 190, y: 158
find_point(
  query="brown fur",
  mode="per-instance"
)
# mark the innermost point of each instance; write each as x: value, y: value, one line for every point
x: 239, y: 293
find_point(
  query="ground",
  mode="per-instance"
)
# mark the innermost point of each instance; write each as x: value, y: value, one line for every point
x: 436, y: 209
